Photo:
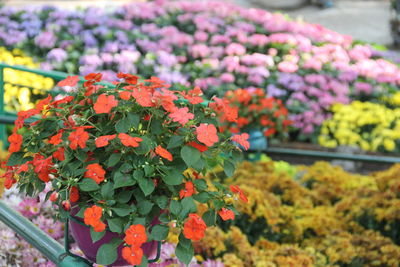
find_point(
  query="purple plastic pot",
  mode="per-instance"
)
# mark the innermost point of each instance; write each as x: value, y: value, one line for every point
x: 81, y: 234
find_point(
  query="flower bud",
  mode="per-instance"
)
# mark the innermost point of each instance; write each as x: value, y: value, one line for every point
x: 66, y: 205
x: 53, y: 197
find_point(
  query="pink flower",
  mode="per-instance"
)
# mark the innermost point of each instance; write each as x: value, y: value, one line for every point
x: 242, y: 140
x: 288, y: 67
x: 235, y: 49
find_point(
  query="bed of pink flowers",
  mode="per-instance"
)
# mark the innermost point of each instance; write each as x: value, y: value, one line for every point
x: 215, y: 45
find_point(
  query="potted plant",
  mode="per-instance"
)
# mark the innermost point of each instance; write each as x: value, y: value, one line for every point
x: 126, y: 162
x: 255, y: 114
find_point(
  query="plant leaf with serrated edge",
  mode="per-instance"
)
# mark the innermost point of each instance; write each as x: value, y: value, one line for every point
x: 88, y: 185
x: 96, y: 236
x: 146, y: 185
x: 159, y: 232
x: 190, y: 155
x: 184, y: 254
x: 107, y: 254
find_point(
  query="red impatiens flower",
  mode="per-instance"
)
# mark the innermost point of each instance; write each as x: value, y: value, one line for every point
x: 95, y: 172
x: 194, y: 228
x: 92, y: 78
x: 59, y: 154
x: 74, y: 194
x: 242, y: 140
x: 15, y: 141
x: 135, y: 235
x: 43, y: 167
x: 194, y: 96
x: 269, y: 132
x: 53, y: 197
x: 44, y: 102
x: 143, y: 97
x: 92, y: 217
x: 133, y: 255
x: 104, y: 140
x: 188, y: 191
x: 226, y: 214
x: 163, y: 153
x: 207, y: 134
x: 199, y: 147
x: 105, y: 103
x: 56, y: 139
x: 78, y: 138
x: 181, y: 115
x: 128, y: 78
x: 236, y: 190
x: 64, y: 100
x: 128, y: 140
x: 69, y: 81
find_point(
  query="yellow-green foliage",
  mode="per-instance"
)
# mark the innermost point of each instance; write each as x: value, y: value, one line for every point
x: 321, y: 216
x: 363, y: 124
x: 22, y: 88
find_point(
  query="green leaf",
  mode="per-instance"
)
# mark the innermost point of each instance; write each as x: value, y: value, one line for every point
x: 175, y: 141
x: 124, y: 209
x: 137, y: 174
x: 107, y: 254
x: 188, y: 206
x: 144, y: 207
x: 159, y: 232
x: 199, y: 165
x: 175, y: 207
x: 88, y: 185
x: 107, y: 190
x: 148, y: 170
x: 202, y: 197
x: 124, y: 196
x: 156, y: 127
x: 200, y: 184
x: 123, y: 125
x: 229, y: 168
x: 114, y: 159
x: 96, y: 236
x: 123, y: 180
x: 16, y: 158
x: 184, y: 241
x: 184, y: 254
x: 144, y: 146
x: 134, y: 120
x: 209, y: 217
x: 164, y: 218
x: 190, y: 155
x: 173, y: 178
x: 146, y: 185
x: 81, y: 155
x: 115, y: 225
x: 161, y: 201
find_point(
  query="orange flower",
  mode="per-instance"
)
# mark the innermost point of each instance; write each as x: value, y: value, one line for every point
x: 207, y: 134
x: 194, y: 227
x: 104, y: 140
x: 78, y: 138
x: 44, y: 102
x: 135, y: 235
x: 143, y: 97
x: 181, y: 115
x: 56, y: 139
x: 74, y: 194
x: 242, y: 140
x: 128, y: 140
x: 105, y: 103
x: 194, y: 96
x: 188, y: 191
x: 199, y: 147
x: 92, y: 78
x: 69, y: 81
x: 241, y: 121
x: 92, y: 217
x: 235, y: 189
x: 268, y: 103
x: 53, y: 197
x: 132, y: 255
x: 95, y: 172
x: 15, y: 142
x: 163, y: 153
x: 269, y: 132
x: 129, y: 78
x: 59, y: 154
x: 226, y: 214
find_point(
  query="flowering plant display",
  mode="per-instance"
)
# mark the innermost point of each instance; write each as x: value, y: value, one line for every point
x: 215, y: 45
x: 256, y: 111
x: 122, y: 157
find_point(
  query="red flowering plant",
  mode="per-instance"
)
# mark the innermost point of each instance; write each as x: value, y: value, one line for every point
x: 252, y: 110
x: 120, y: 155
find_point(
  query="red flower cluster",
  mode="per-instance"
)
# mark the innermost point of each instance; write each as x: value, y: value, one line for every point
x: 135, y: 237
x: 95, y: 172
x: 187, y: 191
